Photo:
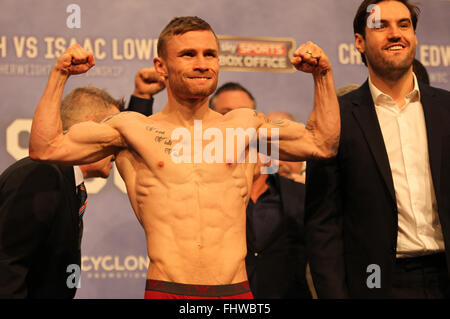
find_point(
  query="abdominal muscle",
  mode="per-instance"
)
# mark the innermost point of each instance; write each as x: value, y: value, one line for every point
x: 194, y: 226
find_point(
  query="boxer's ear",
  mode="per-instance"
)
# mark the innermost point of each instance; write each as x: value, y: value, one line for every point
x: 160, y: 67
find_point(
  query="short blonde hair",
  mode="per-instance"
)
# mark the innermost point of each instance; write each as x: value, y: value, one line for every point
x: 181, y: 25
x: 87, y: 101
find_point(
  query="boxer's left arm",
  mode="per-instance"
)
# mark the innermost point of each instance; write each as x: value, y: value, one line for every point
x: 320, y: 137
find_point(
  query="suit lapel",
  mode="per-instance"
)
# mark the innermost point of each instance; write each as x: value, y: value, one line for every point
x: 365, y: 114
x: 434, y: 122
x: 69, y: 177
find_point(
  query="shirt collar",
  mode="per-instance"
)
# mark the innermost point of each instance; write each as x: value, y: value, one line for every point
x: 78, y: 175
x: 415, y: 93
x: 379, y: 96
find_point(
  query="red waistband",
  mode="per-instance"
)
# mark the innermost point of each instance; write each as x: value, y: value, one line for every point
x: 198, y: 290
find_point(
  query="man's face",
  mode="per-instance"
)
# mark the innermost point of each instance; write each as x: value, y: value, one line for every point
x: 191, y: 64
x: 390, y: 48
x: 101, y: 168
x: 231, y: 100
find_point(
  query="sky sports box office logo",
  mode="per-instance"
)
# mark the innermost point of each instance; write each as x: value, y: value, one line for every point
x: 255, y: 54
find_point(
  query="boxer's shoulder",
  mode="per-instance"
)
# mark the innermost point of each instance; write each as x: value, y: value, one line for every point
x: 125, y: 118
x: 243, y: 117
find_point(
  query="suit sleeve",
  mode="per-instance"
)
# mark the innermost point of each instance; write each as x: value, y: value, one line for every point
x: 29, y: 200
x: 324, y: 236
x: 143, y: 106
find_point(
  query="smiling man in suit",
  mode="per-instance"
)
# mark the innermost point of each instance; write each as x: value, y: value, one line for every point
x: 378, y: 215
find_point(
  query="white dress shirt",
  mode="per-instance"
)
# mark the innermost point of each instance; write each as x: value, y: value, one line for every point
x: 405, y: 138
x: 78, y: 175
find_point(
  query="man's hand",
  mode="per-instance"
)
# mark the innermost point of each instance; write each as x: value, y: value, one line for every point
x: 310, y: 58
x: 75, y: 60
x: 147, y: 83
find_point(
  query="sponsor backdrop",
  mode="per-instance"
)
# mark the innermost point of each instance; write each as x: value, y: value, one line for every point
x: 256, y: 39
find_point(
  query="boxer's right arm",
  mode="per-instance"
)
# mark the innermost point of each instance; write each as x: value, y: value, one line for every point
x: 84, y: 142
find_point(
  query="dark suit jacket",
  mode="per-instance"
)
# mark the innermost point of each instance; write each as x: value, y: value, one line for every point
x: 351, y: 210
x: 39, y: 230
x: 279, y: 269
x: 140, y: 105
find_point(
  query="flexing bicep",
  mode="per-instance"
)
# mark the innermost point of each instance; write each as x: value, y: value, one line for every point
x: 295, y: 141
x: 83, y: 143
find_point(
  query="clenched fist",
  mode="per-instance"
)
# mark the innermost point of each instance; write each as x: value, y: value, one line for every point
x: 75, y: 60
x: 148, y: 83
x: 310, y: 58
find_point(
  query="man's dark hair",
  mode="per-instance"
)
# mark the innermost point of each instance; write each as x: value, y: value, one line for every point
x: 360, y: 20
x: 230, y: 86
x: 181, y: 25
x: 420, y: 72
x: 87, y: 100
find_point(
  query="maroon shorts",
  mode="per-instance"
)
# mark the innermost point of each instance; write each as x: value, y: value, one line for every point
x: 156, y: 289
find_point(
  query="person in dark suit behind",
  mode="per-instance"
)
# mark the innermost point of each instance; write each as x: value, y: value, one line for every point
x: 378, y: 215
x: 275, y: 262
x: 40, y: 224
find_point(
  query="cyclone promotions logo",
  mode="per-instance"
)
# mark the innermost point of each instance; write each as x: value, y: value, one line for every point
x: 255, y: 54
x: 114, y: 267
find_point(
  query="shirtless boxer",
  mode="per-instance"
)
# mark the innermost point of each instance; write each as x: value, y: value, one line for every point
x: 193, y: 213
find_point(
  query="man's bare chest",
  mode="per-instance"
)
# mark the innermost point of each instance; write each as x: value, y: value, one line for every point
x: 162, y: 144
